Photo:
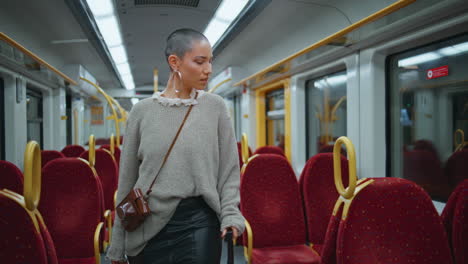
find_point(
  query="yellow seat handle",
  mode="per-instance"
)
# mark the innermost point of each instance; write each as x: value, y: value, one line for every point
x: 348, y: 192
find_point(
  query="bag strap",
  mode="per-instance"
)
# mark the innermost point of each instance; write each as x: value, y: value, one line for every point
x: 172, y: 145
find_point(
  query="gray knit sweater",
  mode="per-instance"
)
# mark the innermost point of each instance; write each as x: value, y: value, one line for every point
x: 204, y: 162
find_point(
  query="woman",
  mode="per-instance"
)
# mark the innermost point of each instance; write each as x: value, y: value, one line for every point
x: 196, y: 195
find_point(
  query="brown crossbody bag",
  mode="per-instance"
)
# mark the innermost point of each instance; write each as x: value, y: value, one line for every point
x: 133, y: 210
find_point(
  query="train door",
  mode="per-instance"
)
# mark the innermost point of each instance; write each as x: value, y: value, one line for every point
x: 428, y: 114
x: 326, y: 114
x: 68, y: 112
x: 34, y: 110
x: 2, y: 123
x: 273, y: 118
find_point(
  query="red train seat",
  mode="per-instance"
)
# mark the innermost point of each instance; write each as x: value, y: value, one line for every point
x: 319, y: 195
x: 72, y: 208
x: 48, y: 155
x: 455, y: 219
x: 73, y: 151
x: 270, y: 150
x: 271, y: 203
x: 11, y: 177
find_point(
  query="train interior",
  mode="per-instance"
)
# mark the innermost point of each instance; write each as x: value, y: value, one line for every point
x: 350, y: 120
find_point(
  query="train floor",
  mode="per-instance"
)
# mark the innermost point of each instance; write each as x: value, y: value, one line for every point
x: 238, y: 256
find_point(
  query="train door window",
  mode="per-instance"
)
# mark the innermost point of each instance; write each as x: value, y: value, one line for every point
x: 34, y: 115
x: 326, y: 112
x: 2, y: 116
x: 428, y: 115
x: 275, y: 125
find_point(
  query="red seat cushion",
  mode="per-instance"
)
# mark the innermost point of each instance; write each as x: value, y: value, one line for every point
x: 116, y: 152
x: 270, y: 150
x: 319, y: 194
x: 48, y: 155
x: 73, y: 151
x: 297, y: 254
x: 90, y: 260
x: 20, y: 241
x: 392, y: 220
x: 11, y: 177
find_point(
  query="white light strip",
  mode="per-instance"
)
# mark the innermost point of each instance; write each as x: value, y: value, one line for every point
x: 434, y: 55
x: 227, y: 11
x: 107, y: 22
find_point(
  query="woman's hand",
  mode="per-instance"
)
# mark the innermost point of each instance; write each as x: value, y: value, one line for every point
x: 235, y: 232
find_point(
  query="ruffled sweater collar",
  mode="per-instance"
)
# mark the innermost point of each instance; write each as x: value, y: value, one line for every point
x: 178, y: 101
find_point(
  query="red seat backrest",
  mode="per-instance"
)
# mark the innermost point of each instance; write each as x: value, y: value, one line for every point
x: 456, y: 168
x: 319, y: 193
x: 392, y: 220
x: 271, y: 202
x: 116, y: 152
x: 71, y: 206
x: 48, y: 155
x: 73, y: 151
x: 11, y: 177
x: 21, y: 241
x: 107, y: 171
x: 270, y: 150
x: 455, y: 219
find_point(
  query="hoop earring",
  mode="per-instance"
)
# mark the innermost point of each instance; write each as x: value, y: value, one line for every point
x: 180, y: 78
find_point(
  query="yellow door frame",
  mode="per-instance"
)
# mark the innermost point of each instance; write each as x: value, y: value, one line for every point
x: 261, y: 113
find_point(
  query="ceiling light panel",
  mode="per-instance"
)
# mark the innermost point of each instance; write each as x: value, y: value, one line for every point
x: 110, y: 30
x: 119, y: 55
x: 101, y: 7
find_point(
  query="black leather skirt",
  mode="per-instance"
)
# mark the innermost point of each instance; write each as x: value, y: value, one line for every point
x: 192, y: 236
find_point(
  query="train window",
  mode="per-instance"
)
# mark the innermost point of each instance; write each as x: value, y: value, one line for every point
x: 2, y: 124
x: 275, y: 125
x: 326, y: 112
x: 34, y: 115
x: 428, y: 115
x: 233, y: 106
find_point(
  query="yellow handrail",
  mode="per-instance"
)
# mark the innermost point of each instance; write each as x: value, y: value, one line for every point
x: 212, y: 90
x: 15, y: 44
x: 349, y: 192
x: 463, y: 143
x: 112, y: 144
x: 32, y: 175
x: 244, y: 148
x: 109, y: 101
x: 92, y: 151
x: 388, y: 10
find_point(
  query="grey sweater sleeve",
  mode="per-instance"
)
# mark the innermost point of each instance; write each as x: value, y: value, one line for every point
x: 128, y: 175
x: 229, y: 174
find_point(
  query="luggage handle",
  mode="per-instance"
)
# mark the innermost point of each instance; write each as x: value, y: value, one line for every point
x: 230, y: 246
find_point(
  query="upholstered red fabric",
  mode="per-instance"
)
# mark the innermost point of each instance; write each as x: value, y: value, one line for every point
x: 11, y: 177
x: 424, y: 168
x: 20, y: 241
x: 456, y: 168
x: 107, y: 171
x: 392, y: 220
x: 73, y: 151
x: 89, y: 260
x: 460, y: 226
x: 449, y: 212
x: 48, y: 244
x: 48, y: 155
x: 298, y: 254
x: 71, y: 206
x: 271, y: 202
x: 116, y: 152
x: 319, y: 194
x: 328, y: 251
x: 270, y: 150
